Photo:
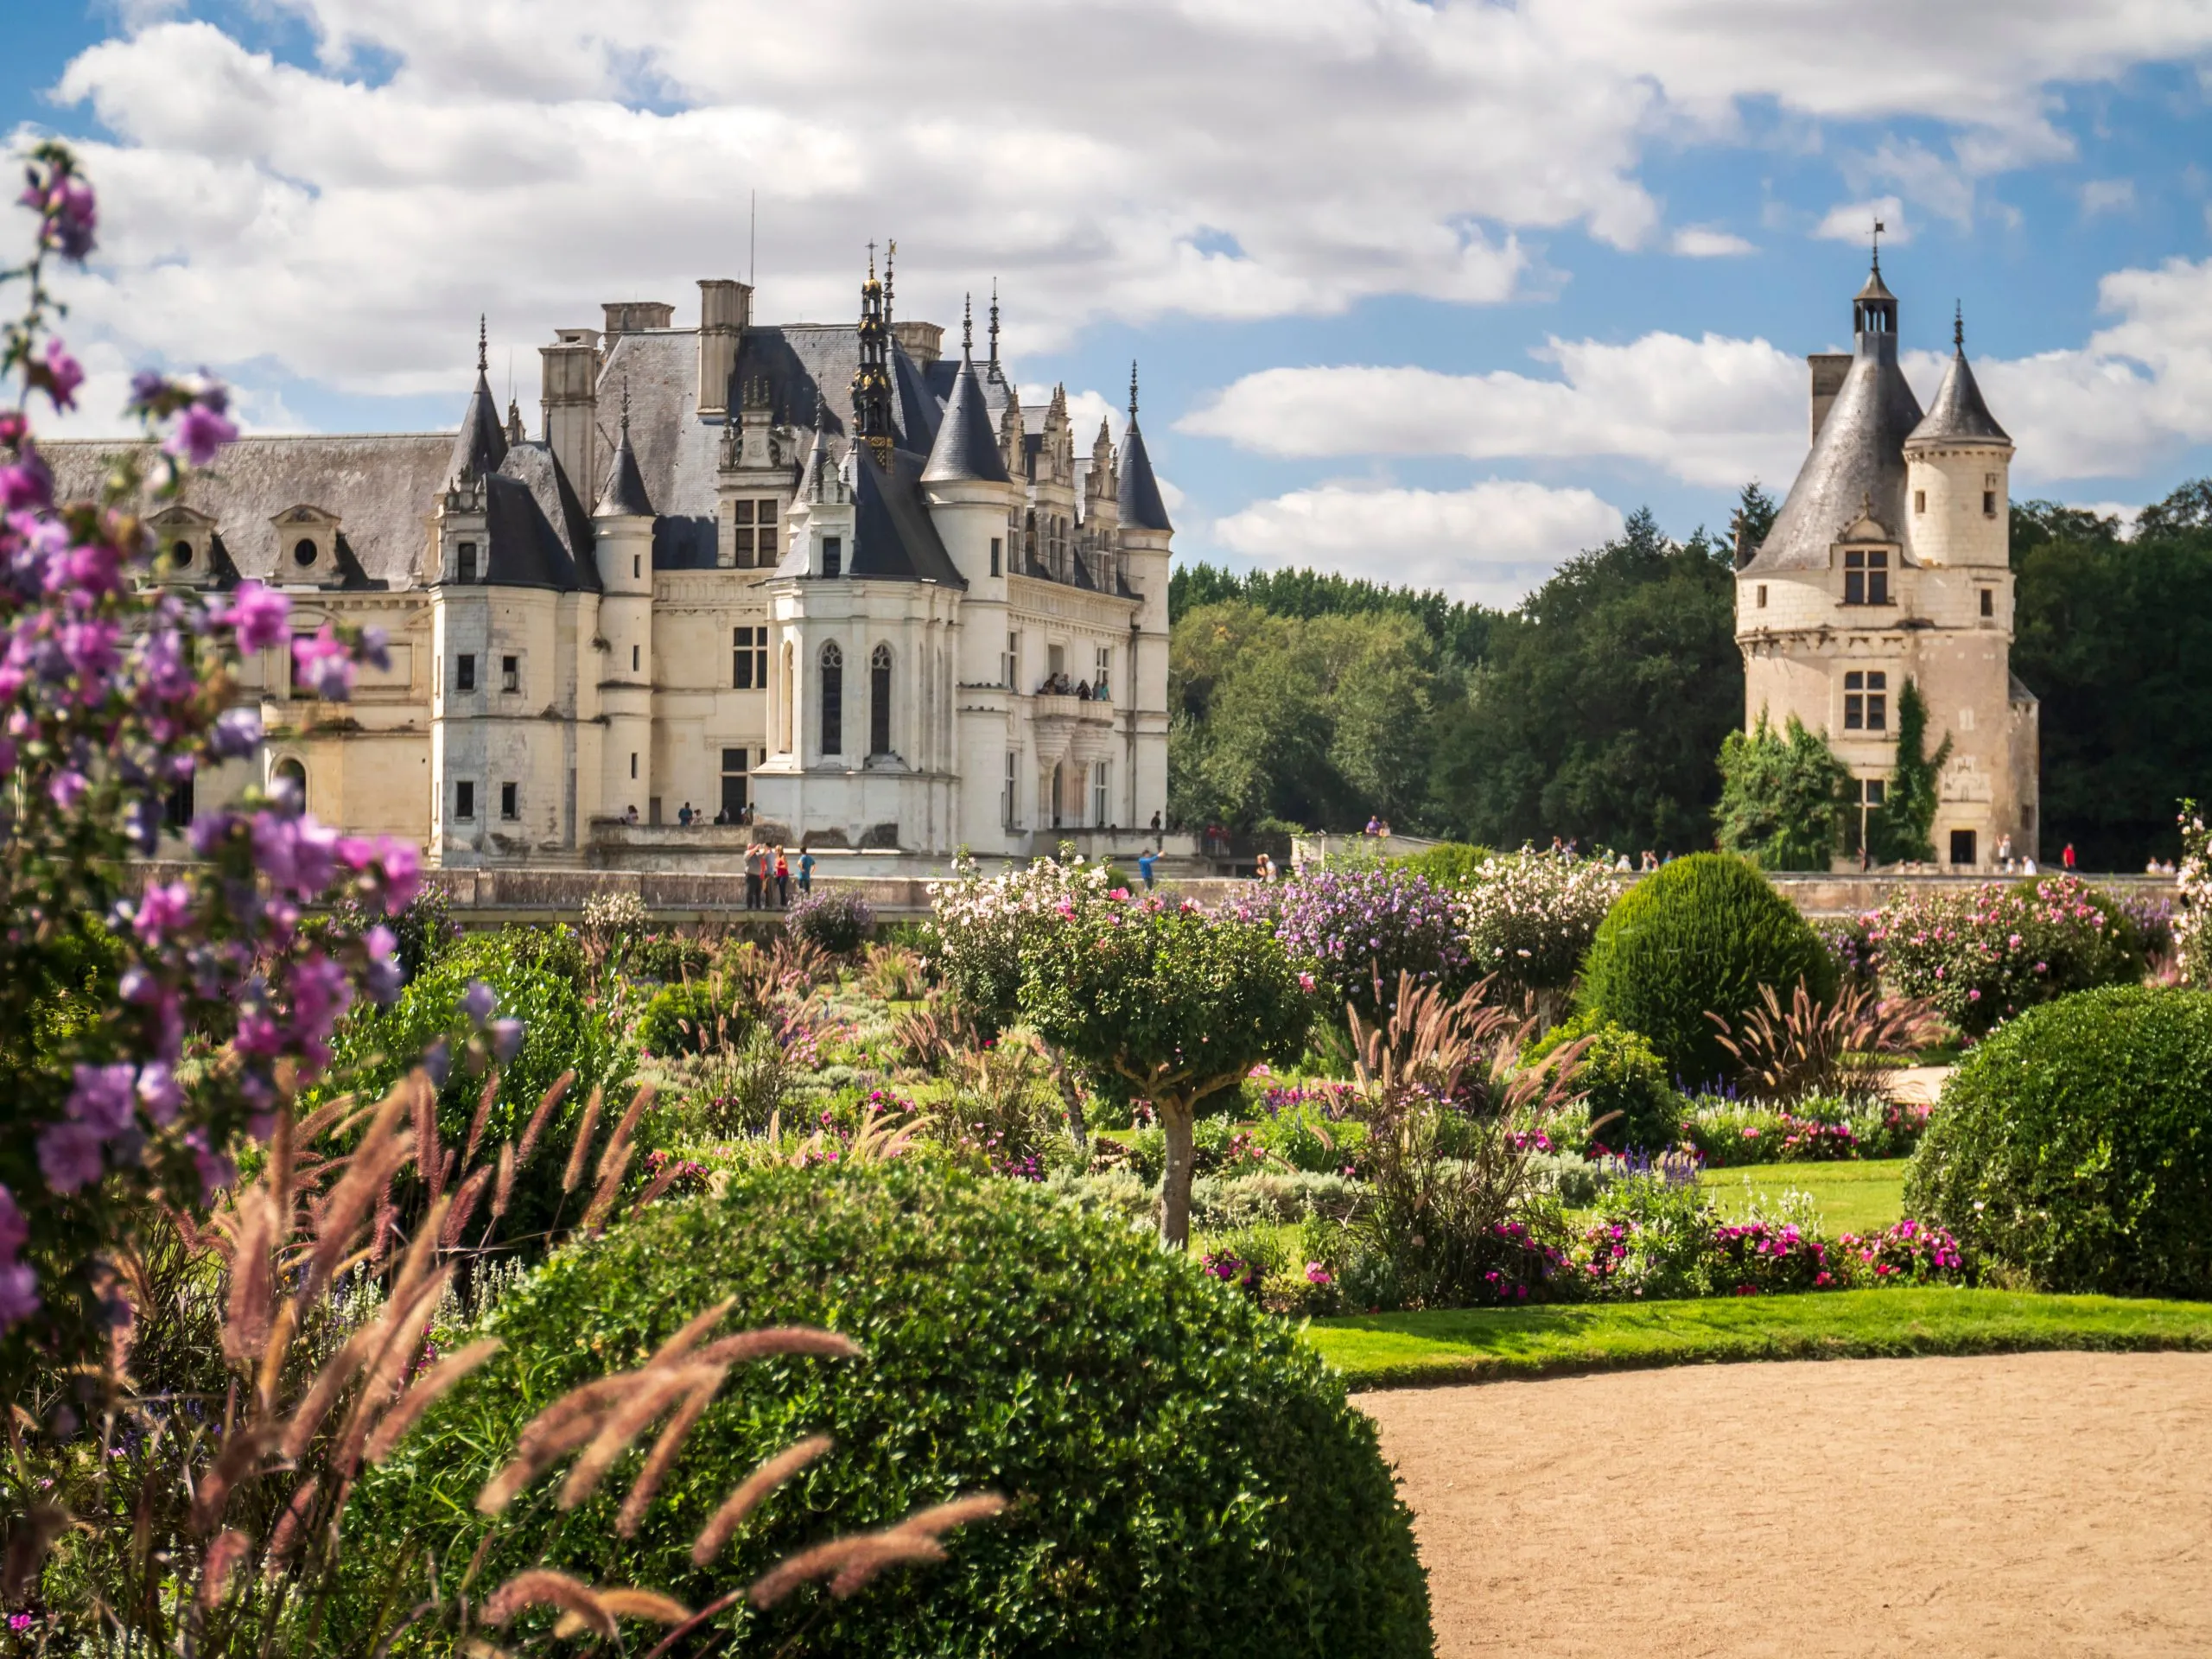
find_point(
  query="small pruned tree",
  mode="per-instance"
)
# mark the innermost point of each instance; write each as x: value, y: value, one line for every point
x: 1900, y: 831
x: 1781, y: 796
x: 1176, y: 1000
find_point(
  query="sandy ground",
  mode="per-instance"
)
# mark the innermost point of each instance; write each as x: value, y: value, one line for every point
x: 2028, y: 1504
x: 1921, y: 1083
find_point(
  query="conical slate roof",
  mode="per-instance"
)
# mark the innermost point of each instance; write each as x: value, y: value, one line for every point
x: 1139, y: 501
x: 1958, y: 414
x: 624, y: 497
x: 481, y: 444
x: 966, y: 446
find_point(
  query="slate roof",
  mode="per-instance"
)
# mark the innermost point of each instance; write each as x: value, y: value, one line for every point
x: 1857, y: 464
x: 623, y: 495
x: 967, y: 446
x: 1958, y: 414
x: 383, y: 489
x: 481, y: 443
x: 1139, y: 502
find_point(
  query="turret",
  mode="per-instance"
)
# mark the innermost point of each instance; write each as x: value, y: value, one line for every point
x: 965, y: 479
x: 1957, y: 465
x: 1145, y: 535
x: 622, y: 526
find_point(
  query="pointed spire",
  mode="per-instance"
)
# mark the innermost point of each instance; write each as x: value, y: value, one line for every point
x: 625, y: 495
x: 966, y: 448
x: 1959, y: 327
x: 994, y: 324
x: 481, y: 444
x: 1958, y: 416
x: 871, y: 388
x: 1138, y: 500
x: 514, y: 423
x: 890, y: 252
x: 967, y: 325
x: 483, y: 345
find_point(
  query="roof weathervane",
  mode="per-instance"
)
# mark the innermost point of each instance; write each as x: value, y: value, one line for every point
x: 871, y: 259
x: 967, y: 325
x: 1132, y: 391
x: 1878, y: 228
x: 890, y: 252
x: 626, y: 408
x: 995, y: 322
x: 480, y: 344
x: 1958, y: 325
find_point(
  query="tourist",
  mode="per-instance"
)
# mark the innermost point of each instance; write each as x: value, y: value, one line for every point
x: 1145, y: 861
x: 783, y: 881
x: 2067, y: 858
x: 722, y: 816
x: 1374, y: 824
x: 684, y: 815
x: 805, y: 872
x: 1083, y: 691
x: 2005, y: 854
x: 1263, y: 869
x: 630, y: 816
x: 752, y: 877
x: 1624, y: 864
x: 1155, y: 824
x: 2027, y: 867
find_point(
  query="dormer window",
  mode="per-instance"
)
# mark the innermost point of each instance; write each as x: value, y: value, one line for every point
x: 186, y: 538
x: 307, y: 538
x: 833, y: 556
x: 465, y: 562
x: 1866, y: 575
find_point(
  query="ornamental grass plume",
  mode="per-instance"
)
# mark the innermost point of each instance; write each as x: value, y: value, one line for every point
x: 1815, y: 1047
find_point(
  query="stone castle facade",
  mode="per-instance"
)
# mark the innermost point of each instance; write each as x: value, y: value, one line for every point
x: 822, y: 578
x: 1888, y: 562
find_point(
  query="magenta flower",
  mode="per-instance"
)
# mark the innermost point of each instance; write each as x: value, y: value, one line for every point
x: 60, y: 373
x: 201, y: 432
x: 69, y: 1156
x: 258, y: 614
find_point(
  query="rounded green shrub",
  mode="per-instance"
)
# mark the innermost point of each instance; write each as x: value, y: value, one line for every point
x: 1449, y: 864
x: 2073, y: 1149
x: 1185, y: 1476
x: 692, y: 1017
x: 1700, y: 935
x: 1621, y: 1078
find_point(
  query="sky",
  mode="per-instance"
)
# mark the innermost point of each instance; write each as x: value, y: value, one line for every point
x: 1430, y: 293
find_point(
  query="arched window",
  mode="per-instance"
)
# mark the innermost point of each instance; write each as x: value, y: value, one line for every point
x: 304, y: 553
x: 833, y: 699
x: 290, y: 776
x: 879, y: 701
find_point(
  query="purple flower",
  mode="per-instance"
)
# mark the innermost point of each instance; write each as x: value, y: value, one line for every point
x: 18, y: 1301
x: 158, y: 1091
x: 258, y: 614
x: 201, y: 432
x: 236, y: 733
x: 216, y: 1172
x: 384, y: 972
x: 102, y: 1095
x: 67, y: 206
x: 69, y: 1156
x: 375, y: 648
x: 324, y: 663
x: 507, y: 1040
x: 28, y: 484
x: 160, y: 909
x: 478, y: 1002
x: 66, y: 788
x: 147, y: 388
x: 60, y: 374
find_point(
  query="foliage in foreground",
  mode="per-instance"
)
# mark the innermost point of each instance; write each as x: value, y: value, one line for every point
x: 1699, y: 937
x: 2072, y: 1151
x: 1184, y: 1477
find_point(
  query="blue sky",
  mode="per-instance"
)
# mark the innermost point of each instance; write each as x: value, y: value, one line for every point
x: 1425, y: 292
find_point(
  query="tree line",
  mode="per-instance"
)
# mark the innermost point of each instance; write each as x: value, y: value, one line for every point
x: 1598, y: 707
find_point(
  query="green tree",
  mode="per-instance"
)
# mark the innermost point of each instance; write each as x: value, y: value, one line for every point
x: 1601, y: 704
x: 1174, y: 1002
x: 1752, y: 521
x: 2114, y: 637
x: 1900, y: 830
x: 1782, y: 797
x: 1459, y: 632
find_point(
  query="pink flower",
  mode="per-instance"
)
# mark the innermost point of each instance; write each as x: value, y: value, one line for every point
x: 202, y: 430
x: 258, y: 614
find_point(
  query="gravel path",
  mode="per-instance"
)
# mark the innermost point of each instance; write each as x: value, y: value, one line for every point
x: 2033, y: 1503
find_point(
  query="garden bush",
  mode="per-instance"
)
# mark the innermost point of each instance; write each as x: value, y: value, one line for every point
x: 1530, y: 918
x: 691, y: 1017
x: 1621, y: 1073
x: 1983, y: 956
x: 1700, y: 935
x: 1453, y: 864
x: 1185, y: 1476
x: 669, y: 957
x: 1364, y: 927
x: 2073, y: 1149
x: 834, y: 919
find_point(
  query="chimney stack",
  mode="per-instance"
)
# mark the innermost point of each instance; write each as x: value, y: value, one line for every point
x: 570, y: 400
x: 725, y: 310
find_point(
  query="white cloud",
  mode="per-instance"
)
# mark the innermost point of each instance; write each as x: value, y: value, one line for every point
x: 1220, y: 158
x: 1713, y: 411
x: 1491, y: 543
x: 1717, y: 411
x: 2107, y: 196
x: 1698, y: 242
x: 1853, y: 221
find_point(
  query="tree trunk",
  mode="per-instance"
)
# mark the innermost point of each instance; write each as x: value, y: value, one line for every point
x: 1175, y: 1183
x: 1070, y: 1097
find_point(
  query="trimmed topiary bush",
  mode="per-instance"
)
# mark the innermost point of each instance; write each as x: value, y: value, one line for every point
x: 2073, y: 1150
x: 1700, y: 935
x: 1185, y: 1476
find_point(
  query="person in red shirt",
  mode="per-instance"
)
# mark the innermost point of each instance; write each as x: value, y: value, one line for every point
x: 2067, y: 858
x: 783, y: 881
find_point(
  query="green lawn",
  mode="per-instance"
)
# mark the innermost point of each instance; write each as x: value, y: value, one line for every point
x: 1854, y: 1197
x: 1383, y: 1351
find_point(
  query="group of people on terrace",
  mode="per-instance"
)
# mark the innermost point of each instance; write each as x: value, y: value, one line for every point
x: 1058, y: 685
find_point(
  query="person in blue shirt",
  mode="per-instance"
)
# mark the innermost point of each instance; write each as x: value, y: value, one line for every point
x: 1144, y: 868
x: 806, y: 871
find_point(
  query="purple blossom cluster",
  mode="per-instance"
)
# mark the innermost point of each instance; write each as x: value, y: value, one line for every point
x: 1363, y: 927
x: 114, y: 691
